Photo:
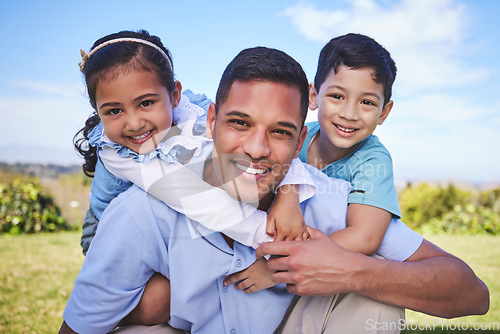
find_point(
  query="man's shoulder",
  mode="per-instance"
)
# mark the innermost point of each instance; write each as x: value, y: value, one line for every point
x: 133, y: 193
x: 137, y: 203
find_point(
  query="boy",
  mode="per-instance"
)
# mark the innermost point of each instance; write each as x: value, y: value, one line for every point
x: 352, y: 92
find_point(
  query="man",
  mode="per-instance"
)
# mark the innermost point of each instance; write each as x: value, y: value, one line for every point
x: 257, y: 128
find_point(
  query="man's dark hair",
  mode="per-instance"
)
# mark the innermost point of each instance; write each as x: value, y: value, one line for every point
x: 265, y: 64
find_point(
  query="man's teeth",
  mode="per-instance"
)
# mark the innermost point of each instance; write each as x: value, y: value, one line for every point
x: 344, y: 129
x: 250, y: 170
x: 141, y: 137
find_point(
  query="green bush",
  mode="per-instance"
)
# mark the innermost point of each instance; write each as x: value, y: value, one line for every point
x: 25, y: 208
x: 422, y: 203
x: 450, y: 210
x: 465, y: 221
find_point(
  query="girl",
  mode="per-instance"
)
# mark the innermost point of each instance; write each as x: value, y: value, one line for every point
x: 144, y: 131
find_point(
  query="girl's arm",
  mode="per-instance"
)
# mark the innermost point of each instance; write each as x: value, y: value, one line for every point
x: 182, y: 190
x: 365, y: 230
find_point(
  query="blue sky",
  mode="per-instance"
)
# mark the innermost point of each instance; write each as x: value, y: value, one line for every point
x: 446, y: 118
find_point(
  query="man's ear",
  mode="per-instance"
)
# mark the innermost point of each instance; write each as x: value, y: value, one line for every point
x: 302, y: 137
x: 312, y: 97
x: 211, y: 116
x: 385, y: 112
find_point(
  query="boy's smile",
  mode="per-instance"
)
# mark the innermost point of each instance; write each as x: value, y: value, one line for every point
x: 350, y: 106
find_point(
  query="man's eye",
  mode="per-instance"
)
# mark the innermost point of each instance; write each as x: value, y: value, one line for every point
x: 238, y: 122
x: 282, y: 132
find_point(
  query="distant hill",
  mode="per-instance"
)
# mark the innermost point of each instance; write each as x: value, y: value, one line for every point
x: 40, y: 154
x: 43, y: 171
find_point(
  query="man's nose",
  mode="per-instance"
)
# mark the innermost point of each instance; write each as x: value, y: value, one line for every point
x: 257, y: 145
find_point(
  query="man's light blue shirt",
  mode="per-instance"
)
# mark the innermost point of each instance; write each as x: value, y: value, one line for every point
x: 139, y: 235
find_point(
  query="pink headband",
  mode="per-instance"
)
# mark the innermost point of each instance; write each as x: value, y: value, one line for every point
x: 86, y: 56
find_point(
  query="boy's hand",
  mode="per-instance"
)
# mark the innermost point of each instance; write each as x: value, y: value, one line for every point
x: 285, y: 220
x: 255, y: 278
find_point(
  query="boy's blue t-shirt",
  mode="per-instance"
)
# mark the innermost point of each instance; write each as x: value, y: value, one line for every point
x: 368, y: 169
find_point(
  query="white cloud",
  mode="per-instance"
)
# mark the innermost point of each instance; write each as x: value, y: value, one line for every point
x: 443, y: 138
x: 443, y: 125
x: 425, y: 37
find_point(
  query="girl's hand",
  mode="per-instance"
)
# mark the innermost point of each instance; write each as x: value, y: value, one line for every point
x: 285, y: 220
x: 255, y: 278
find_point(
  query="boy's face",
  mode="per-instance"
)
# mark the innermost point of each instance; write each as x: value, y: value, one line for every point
x: 257, y: 132
x: 350, y: 106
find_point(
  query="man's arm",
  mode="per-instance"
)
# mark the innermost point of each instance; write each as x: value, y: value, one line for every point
x: 430, y: 281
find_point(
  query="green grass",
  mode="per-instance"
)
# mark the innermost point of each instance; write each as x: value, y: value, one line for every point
x: 37, y: 274
x: 482, y: 253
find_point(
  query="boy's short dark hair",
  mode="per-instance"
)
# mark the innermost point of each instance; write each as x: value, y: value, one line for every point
x: 264, y: 64
x: 357, y: 51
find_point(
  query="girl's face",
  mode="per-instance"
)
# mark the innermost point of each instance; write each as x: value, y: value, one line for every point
x: 135, y: 109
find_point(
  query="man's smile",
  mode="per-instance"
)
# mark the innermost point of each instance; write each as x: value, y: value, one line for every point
x: 251, y: 170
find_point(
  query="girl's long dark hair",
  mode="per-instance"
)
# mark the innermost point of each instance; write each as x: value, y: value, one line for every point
x: 109, y: 62
x: 82, y: 146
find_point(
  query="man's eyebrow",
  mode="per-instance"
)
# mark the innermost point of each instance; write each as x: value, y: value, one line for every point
x: 244, y: 115
x: 238, y: 113
x: 288, y: 125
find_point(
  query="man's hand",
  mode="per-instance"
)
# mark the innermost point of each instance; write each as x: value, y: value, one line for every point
x: 311, y: 267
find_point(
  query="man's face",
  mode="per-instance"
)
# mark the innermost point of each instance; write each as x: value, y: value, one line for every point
x: 256, y: 132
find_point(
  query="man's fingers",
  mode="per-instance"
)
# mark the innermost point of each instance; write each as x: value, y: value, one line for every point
x: 273, y: 248
x: 278, y: 264
x: 282, y: 277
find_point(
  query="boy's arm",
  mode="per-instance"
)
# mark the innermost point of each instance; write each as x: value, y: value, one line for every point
x: 285, y: 220
x: 366, y: 228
